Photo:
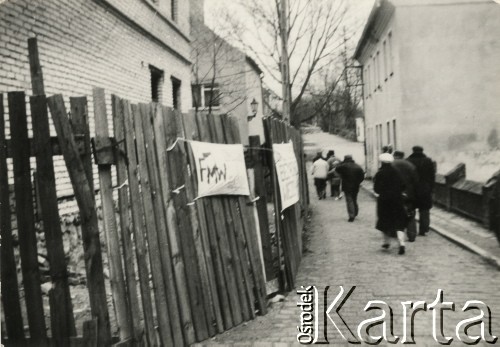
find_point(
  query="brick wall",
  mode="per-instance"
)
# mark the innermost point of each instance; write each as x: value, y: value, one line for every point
x: 85, y: 44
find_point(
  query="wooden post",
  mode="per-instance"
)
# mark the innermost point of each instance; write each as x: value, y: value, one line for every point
x: 85, y: 198
x: 61, y: 312
x: 117, y: 278
x: 25, y: 213
x: 10, y: 288
x: 125, y: 225
x: 35, y: 67
x: 138, y: 223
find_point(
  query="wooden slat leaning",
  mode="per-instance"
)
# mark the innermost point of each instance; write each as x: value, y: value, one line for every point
x: 146, y: 111
x: 61, y: 311
x: 117, y: 277
x: 125, y: 224
x: 85, y: 198
x: 24, y: 208
x: 10, y: 288
x: 138, y: 222
x: 152, y: 228
x: 190, y: 132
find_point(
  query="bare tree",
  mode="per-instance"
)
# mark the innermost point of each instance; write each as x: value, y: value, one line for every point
x: 312, y: 32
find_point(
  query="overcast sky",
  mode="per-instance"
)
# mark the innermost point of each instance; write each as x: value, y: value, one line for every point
x: 358, y: 14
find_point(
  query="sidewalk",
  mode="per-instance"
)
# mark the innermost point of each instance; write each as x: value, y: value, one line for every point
x: 462, y: 231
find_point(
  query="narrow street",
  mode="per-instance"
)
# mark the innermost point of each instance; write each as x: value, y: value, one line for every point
x: 349, y: 254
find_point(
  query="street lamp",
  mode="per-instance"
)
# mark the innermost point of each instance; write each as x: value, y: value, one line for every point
x: 253, y: 106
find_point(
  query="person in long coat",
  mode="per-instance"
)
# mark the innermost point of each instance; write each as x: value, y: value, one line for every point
x: 408, y: 173
x: 426, y: 171
x: 333, y: 176
x: 392, y: 219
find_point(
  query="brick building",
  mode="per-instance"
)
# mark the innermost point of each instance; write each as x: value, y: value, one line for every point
x: 137, y: 49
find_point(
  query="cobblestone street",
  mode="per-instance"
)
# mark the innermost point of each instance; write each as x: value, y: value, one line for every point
x: 349, y: 254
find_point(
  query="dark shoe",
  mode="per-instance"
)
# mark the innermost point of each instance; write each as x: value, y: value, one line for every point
x: 401, y: 250
x: 386, y: 246
x: 351, y: 219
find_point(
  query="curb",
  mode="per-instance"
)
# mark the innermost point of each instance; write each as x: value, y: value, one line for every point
x: 488, y: 257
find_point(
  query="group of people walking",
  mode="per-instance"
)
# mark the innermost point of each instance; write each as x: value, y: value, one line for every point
x: 346, y: 174
x: 402, y: 186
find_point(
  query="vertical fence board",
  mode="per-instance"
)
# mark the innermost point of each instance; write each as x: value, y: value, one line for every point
x: 125, y: 226
x: 117, y: 277
x: 152, y: 229
x: 191, y: 133
x: 25, y: 213
x: 161, y: 223
x: 61, y: 312
x: 86, y: 203
x: 249, y: 227
x: 35, y: 67
x: 80, y: 124
x: 10, y: 287
x: 234, y: 228
x: 220, y: 229
x: 165, y: 127
x: 178, y: 172
x: 138, y: 223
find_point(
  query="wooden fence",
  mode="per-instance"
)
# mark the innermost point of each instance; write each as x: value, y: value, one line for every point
x: 180, y: 270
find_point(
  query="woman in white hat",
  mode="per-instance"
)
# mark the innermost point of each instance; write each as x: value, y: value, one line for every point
x: 392, y: 217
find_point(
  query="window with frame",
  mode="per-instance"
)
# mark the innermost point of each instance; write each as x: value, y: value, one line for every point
x: 384, y: 56
x: 176, y: 93
x: 156, y: 83
x: 212, y: 96
x: 390, y: 54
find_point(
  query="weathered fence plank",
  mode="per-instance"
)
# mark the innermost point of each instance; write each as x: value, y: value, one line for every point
x: 117, y: 277
x: 234, y: 227
x: 138, y: 226
x: 10, y: 288
x: 220, y: 229
x: 165, y: 127
x: 84, y: 195
x: 80, y: 124
x: 146, y: 112
x: 191, y: 133
x: 152, y: 229
x: 35, y: 67
x: 61, y: 312
x: 125, y: 225
x: 231, y: 129
x: 25, y: 213
x: 178, y: 173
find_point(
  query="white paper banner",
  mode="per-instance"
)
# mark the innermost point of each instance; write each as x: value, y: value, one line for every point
x: 220, y: 169
x: 288, y: 173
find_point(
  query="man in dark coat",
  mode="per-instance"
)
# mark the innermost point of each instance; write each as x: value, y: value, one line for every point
x: 408, y: 173
x: 426, y: 171
x: 352, y: 175
x: 391, y: 214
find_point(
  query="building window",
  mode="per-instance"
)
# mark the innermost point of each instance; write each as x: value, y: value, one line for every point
x: 379, y: 72
x: 156, y: 83
x: 388, y: 133
x: 384, y: 53
x: 176, y: 93
x: 374, y: 79
x: 212, y: 96
x: 365, y: 86
x: 390, y: 57
x: 206, y: 95
x: 173, y: 9
x: 395, y: 142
